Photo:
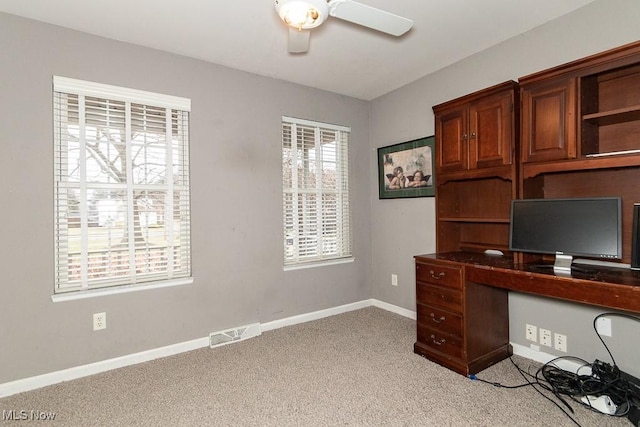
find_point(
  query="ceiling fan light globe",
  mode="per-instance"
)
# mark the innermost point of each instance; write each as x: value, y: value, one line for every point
x: 302, y: 14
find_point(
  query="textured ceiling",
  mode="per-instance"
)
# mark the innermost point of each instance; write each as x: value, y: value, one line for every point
x: 343, y: 57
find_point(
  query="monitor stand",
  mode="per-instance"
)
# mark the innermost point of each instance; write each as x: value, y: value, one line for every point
x: 562, y: 265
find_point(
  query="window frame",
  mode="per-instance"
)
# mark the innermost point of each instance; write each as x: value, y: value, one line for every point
x: 174, y: 142
x: 296, y: 223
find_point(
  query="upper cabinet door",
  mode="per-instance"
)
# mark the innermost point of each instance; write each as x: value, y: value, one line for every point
x: 452, y: 139
x: 549, y: 121
x: 491, y: 131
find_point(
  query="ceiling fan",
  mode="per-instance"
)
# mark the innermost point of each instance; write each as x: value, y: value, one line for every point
x: 303, y: 15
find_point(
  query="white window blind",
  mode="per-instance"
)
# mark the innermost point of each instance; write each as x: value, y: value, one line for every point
x: 121, y: 186
x: 315, y: 166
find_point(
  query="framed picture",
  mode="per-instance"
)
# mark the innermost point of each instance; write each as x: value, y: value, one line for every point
x: 407, y: 169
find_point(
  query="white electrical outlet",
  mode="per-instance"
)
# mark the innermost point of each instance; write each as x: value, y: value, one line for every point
x: 99, y: 321
x: 394, y: 280
x: 560, y: 342
x: 531, y: 332
x: 545, y: 337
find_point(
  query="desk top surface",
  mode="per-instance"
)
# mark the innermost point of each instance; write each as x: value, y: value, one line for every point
x: 590, y: 273
x: 617, y: 288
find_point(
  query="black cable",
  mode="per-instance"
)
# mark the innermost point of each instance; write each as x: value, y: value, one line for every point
x: 621, y: 390
x: 595, y: 328
x: 603, y: 379
x: 565, y: 383
x: 533, y: 385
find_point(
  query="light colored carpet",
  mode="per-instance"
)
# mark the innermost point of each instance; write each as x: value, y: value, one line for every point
x: 355, y: 369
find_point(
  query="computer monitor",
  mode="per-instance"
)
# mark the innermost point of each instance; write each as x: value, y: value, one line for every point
x: 588, y: 227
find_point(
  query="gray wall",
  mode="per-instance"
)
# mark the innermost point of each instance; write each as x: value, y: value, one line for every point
x: 235, y: 131
x: 236, y: 203
x: 403, y: 228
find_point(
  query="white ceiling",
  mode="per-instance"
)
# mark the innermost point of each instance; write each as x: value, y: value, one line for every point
x: 343, y: 57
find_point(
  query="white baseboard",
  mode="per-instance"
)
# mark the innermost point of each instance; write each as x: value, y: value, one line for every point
x: 32, y: 383
x: 394, y: 309
x: 542, y: 357
x: 315, y: 315
x: 19, y: 386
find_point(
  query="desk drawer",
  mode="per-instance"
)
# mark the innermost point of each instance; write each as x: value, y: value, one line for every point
x: 440, y: 320
x: 439, y: 297
x: 439, y: 275
x: 439, y: 341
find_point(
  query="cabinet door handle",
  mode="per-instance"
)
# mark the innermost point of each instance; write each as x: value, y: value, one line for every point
x: 464, y: 136
x: 439, y: 276
x: 436, y: 342
x: 436, y: 320
x: 473, y: 135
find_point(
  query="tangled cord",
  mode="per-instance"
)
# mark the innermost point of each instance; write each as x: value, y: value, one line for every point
x: 603, y: 379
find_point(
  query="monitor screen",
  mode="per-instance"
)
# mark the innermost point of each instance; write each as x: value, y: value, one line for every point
x: 589, y: 227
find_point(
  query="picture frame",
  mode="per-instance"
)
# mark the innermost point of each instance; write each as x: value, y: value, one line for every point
x: 401, y: 164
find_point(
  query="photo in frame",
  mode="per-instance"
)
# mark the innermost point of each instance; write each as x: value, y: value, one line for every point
x: 407, y: 169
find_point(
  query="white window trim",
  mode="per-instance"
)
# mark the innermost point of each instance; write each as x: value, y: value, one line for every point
x: 297, y: 265
x: 311, y: 123
x: 127, y: 95
x: 334, y: 261
x: 116, y: 93
x: 115, y: 290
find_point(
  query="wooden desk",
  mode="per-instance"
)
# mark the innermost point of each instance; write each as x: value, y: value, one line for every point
x: 462, y: 302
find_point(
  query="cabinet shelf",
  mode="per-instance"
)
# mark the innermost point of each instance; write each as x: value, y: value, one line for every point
x: 531, y: 170
x: 620, y: 115
x: 502, y: 172
x: 475, y: 220
x: 479, y: 247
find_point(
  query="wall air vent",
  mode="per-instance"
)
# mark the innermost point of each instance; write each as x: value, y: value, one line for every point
x: 232, y: 335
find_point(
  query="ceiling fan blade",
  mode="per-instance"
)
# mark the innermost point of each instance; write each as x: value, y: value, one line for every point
x: 370, y: 17
x: 298, y: 40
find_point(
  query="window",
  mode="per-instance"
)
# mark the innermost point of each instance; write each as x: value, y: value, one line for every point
x: 121, y: 175
x: 315, y: 172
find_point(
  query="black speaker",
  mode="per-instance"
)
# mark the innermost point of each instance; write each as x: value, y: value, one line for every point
x: 635, y: 238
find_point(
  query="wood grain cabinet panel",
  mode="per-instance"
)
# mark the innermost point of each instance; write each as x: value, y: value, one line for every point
x: 439, y: 275
x: 491, y: 131
x: 476, y: 131
x: 438, y: 296
x: 476, y: 137
x: 548, y: 121
x: 569, y: 131
x: 443, y: 320
x: 460, y: 325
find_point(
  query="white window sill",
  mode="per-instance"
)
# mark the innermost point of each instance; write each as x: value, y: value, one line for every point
x: 92, y: 293
x: 318, y: 264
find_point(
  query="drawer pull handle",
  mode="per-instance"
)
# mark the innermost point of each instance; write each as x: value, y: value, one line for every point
x: 439, y: 276
x: 436, y: 342
x: 433, y: 317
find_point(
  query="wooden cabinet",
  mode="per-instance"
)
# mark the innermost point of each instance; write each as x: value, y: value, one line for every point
x: 577, y: 134
x: 610, y: 112
x: 580, y: 132
x: 462, y: 303
x: 474, y: 214
x: 549, y: 121
x: 461, y: 326
x: 475, y: 131
x: 476, y: 172
x: 584, y: 109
